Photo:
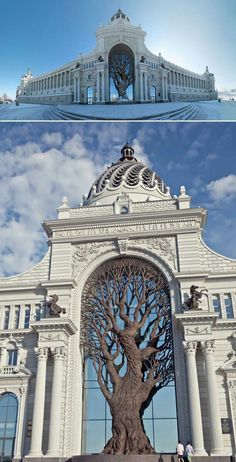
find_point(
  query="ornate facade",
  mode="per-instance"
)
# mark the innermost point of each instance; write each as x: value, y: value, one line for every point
x: 119, y: 69
x: 129, y: 211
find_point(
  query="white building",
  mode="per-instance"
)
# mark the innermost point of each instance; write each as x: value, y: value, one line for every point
x: 50, y: 405
x: 119, y: 69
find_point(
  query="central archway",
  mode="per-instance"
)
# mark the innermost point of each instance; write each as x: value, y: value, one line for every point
x: 127, y: 335
x: 121, y: 74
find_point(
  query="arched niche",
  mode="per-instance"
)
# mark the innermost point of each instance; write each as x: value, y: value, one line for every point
x: 121, y: 73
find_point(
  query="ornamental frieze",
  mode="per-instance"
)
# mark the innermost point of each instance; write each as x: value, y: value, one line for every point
x: 100, y: 230
x: 163, y: 246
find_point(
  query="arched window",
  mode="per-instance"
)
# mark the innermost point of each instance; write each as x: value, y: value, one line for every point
x: 128, y: 279
x: 90, y: 95
x: 11, y: 354
x: 153, y: 93
x: 8, y: 419
x: 121, y: 73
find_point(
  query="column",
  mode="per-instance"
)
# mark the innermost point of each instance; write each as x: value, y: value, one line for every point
x: 39, y: 399
x: 75, y: 89
x: 146, y: 86
x: 141, y: 86
x: 98, y: 87
x: 163, y: 88
x: 194, y: 399
x: 20, y: 423
x: 78, y: 89
x: 166, y: 89
x: 55, y: 411
x: 103, y: 87
x: 217, y: 447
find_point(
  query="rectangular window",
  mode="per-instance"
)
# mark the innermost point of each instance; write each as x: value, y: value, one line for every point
x: 27, y: 316
x: 6, y: 317
x: 217, y: 304
x: 228, y: 306
x: 12, y: 358
x: 16, y: 317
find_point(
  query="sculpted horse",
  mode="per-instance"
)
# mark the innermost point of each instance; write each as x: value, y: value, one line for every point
x: 192, y: 302
x: 54, y: 309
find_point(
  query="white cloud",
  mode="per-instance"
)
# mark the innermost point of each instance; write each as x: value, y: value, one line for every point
x: 33, y: 181
x: 52, y: 139
x: 223, y: 189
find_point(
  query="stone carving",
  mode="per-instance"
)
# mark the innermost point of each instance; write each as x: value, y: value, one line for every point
x: 54, y: 309
x: 192, y: 302
x: 123, y: 245
x: 208, y: 346
x: 190, y: 346
x: 84, y: 251
x: 41, y: 353
x: 197, y: 330
x: 165, y: 247
x: 121, y: 228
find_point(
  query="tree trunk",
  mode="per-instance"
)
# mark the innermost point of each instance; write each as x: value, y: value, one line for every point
x: 128, y: 435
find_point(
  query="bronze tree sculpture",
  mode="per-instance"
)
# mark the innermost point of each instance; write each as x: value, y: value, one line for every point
x: 121, y: 67
x: 126, y: 331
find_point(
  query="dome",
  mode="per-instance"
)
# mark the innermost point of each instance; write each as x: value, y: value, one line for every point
x: 119, y: 15
x: 129, y: 176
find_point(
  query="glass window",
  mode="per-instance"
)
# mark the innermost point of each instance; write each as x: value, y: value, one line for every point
x: 228, y: 306
x: 6, y: 317
x: 217, y: 304
x: 27, y: 316
x: 16, y: 317
x: 12, y: 357
x: 165, y: 435
x: 122, y: 73
x: 8, y: 419
x: 90, y: 95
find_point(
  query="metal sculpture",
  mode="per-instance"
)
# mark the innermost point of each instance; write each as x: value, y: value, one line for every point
x: 126, y: 331
x: 121, y: 66
x: 192, y: 302
x: 54, y: 309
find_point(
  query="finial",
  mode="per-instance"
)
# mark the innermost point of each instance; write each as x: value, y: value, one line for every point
x: 127, y: 152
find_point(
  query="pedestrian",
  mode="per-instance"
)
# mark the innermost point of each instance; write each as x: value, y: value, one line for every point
x: 180, y: 451
x: 189, y: 451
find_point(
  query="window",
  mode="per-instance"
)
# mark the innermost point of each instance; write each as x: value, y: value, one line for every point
x: 228, y: 306
x: 11, y: 354
x: 8, y: 419
x: 27, y: 316
x: 16, y: 317
x: 6, y: 317
x: 217, y: 304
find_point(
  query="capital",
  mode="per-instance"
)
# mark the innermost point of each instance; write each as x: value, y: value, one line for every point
x: 41, y: 353
x: 208, y: 346
x: 58, y: 352
x: 190, y: 346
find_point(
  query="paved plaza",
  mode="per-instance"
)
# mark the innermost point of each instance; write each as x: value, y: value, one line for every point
x: 204, y: 110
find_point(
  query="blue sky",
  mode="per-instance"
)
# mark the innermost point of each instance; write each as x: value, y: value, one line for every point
x: 42, y: 162
x: 49, y: 33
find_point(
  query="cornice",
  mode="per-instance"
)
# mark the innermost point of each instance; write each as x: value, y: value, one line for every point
x: 54, y: 325
x: 176, y: 215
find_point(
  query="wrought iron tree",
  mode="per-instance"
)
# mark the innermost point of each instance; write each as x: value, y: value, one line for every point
x: 126, y: 331
x: 121, y: 65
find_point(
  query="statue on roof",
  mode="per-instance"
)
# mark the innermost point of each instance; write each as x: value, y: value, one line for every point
x: 192, y: 302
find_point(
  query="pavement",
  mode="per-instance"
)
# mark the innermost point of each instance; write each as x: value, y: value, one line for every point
x: 204, y: 110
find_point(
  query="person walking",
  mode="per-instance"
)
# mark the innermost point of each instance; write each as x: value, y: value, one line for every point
x: 180, y: 451
x: 189, y: 451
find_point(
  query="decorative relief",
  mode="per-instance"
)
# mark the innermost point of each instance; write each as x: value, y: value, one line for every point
x: 197, y: 330
x: 208, y: 346
x: 58, y: 352
x: 123, y: 245
x: 166, y: 225
x: 49, y: 337
x: 165, y: 247
x: 190, y: 346
x: 41, y: 353
x: 84, y: 252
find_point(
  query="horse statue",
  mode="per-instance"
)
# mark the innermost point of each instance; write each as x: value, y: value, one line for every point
x: 54, y: 309
x: 192, y: 302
